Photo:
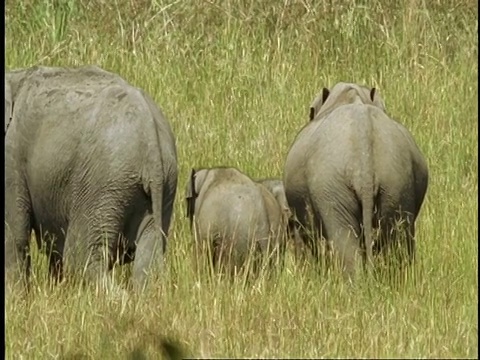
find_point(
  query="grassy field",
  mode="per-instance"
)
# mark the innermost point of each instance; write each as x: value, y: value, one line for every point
x: 235, y: 79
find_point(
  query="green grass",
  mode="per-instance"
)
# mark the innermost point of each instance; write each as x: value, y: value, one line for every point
x: 235, y: 79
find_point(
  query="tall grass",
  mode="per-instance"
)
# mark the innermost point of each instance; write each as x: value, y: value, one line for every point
x: 235, y: 79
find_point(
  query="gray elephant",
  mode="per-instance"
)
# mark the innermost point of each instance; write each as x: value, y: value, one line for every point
x: 91, y: 167
x: 277, y: 188
x: 352, y: 169
x: 235, y: 217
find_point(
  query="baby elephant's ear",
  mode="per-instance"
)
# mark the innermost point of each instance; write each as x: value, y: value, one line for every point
x: 190, y: 196
x: 8, y: 105
x: 377, y: 99
x: 318, y: 102
x: 190, y: 193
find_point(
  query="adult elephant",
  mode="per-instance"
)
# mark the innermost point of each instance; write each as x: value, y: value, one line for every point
x: 355, y: 169
x: 91, y: 167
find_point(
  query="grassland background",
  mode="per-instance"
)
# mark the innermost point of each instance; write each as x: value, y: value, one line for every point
x: 235, y: 79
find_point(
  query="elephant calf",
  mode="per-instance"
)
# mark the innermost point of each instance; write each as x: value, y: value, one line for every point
x: 91, y: 167
x: 355, y: 168
x: 277, y: 188
x: 235, y: 217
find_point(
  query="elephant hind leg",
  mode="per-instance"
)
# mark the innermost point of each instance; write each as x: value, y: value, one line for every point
x: 18, y: 229
x: 151, y: 246
x: 410, y: 239
x: 53, y: 247
x: 397, y: 244
x: 396, y: 219
x: 303, y: 225
x: 226, y: 259
x: 339, y: 219
x: 91, y: 244
x: 404, y: 231
x: 151, y: 238
x: 345, y: 245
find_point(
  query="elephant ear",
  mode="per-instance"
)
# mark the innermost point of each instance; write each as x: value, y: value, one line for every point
x: 377, y: 99
x: 191, y: 195
x: 318, y: 102
x: 196, y: 181
x: 8, y: 105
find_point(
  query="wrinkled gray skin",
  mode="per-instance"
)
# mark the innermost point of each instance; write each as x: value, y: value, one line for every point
x: 88, y: 158
x: 236, y: 215
x: 355, y: 169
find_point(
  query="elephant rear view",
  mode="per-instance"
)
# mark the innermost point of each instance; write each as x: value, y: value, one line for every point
x: 91, y: 167
x: 355, y: 169
x: 235, y: 217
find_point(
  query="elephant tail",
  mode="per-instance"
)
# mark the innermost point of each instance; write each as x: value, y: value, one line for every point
x: 160, y: 173
x: 159, y: 183
x: 367, y: 215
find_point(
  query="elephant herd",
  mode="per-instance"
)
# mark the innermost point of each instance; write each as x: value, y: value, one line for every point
x: 91, y: 167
